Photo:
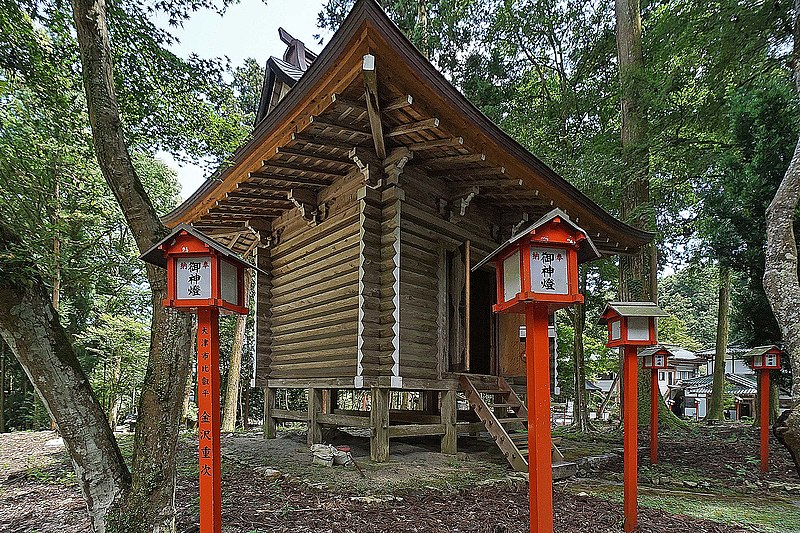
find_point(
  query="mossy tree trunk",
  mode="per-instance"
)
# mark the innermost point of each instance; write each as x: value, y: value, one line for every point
x: 580, y: 408
x: 715, y: 411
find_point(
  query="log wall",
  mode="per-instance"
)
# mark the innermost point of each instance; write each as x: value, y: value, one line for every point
x: 314, y: 289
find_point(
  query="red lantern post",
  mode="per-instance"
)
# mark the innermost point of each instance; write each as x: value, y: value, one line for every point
x: 537, y: 273
x: 654, y: 359
x: 205, y: 278
x: 764, y: 359
x: 630, y: 325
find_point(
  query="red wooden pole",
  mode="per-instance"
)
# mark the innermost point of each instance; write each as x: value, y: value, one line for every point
x: 540, y: 458
x: 630, y: 389
x: 764, y: 394
x: 655, y: 397
x: 208, y: 422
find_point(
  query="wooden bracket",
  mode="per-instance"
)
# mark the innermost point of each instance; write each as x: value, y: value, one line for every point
x: 305, y: 201
x: 461, y: 198
x: 368, y: 165
x: 395, y: 163
x: 516, y: 227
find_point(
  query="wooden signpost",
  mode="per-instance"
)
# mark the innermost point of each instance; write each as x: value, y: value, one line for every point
x: 763, y: 360
x: 654, y: 359
x: 205, y: 278
x: 537, y: 273
x: 630, y: 325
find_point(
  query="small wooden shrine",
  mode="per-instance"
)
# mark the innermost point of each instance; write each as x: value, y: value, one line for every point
x: 368, y: 188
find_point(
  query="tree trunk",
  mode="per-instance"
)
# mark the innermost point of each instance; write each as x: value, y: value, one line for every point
x: 2, y: 388
x: 718, y: 386
x: 150, y: 505
x: 235, y: 368
x: 113, y: 389
x: 780, y: 274
x: 580, y: 409
x: 29, y: 325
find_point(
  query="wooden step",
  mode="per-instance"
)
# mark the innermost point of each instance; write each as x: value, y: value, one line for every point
x: 513, y: 444
x: 511, y: 420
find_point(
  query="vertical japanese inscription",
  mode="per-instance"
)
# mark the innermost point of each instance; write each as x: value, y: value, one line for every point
x: 549, y: 270
x: 208, y: 419
x: 193, y: 277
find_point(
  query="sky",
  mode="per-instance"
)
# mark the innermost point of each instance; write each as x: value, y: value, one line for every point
x: 248, y: 29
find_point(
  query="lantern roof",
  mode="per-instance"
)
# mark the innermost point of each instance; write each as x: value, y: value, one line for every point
x: 631, y: 309
x: 658, y: 349
x: 155, y: 255
x: 762, y: 350
x: 586, y: 252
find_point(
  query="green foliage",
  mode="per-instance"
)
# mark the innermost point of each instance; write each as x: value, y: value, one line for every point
x: 114, y: 354
x: 690, y: 297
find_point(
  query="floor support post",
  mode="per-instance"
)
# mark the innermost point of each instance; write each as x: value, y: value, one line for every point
x: 314, y: 409
x: 449, y: 415
x: 379, y: 424
x: 269, y: 428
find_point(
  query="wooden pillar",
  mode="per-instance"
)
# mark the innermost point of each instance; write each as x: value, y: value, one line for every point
x: 630, y: 388
x: 540, y: 458
x: 269, y: 428
x: 655, y: 398
x: 763, y: 381
x: 314, y: 409
x: 379, y: 425
x: 449, y: 418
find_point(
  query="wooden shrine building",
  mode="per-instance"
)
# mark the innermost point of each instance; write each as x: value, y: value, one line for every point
x: 367, y: 189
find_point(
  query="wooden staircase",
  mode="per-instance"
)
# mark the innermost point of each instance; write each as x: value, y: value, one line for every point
x: 506, y: 420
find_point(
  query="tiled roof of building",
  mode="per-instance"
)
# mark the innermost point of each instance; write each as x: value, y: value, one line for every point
x: 737, y: 385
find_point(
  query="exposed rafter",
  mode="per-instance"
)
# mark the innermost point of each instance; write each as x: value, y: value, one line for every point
x: 412, y: 127
x: 471, y: 172
x: 323, y: 158
x: 399, y: 103
x: 436, y: 143
x: 333, y: 124
x: 279, y: 179
x: 328, y: 173
x: 321, y: 140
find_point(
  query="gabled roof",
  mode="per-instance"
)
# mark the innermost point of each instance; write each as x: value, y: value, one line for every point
x: 632, y: 309
x: 155, y: 255
x: 289, y: 70
x: 652, y: 350
x: 587, y: 250
x: 325, y: 107
x: 761, y: 350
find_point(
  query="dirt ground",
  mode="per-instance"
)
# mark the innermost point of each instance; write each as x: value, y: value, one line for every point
x: 708, y: 481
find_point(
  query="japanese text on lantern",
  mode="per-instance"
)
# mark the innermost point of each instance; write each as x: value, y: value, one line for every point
x: 204, y: 403
x: 549, y: 270
x: 193, y: 277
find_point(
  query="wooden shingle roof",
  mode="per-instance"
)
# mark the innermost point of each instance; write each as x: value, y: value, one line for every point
x: 314, y: 134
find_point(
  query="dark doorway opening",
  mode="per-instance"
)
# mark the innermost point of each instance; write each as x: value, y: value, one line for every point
x: 481, y: 322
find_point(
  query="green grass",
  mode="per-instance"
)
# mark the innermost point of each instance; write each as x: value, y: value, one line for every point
x: 770, y: 515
